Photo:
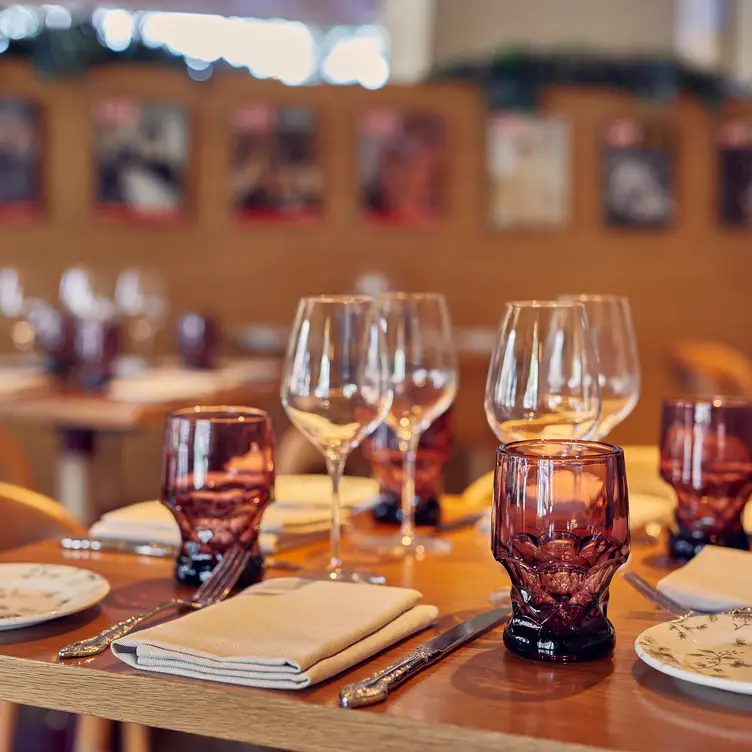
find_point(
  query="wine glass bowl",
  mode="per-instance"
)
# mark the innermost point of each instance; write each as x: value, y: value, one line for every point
x: 336, y: 390
x: 610, y: 320
x: 217, y: 479
x: 543, y: 379
x: 706, y: 456
x: 560, y: 529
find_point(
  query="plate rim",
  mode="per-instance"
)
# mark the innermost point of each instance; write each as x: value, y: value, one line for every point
x: 736, y: 686
x: 7, y: 623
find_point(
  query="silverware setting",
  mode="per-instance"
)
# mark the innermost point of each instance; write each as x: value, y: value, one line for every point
x: 376, y: 688
x: 150, y: 548
x: 213, y: 590
x: 668, y: 604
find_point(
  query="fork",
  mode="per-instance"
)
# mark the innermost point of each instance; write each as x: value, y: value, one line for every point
x: 213, y: 590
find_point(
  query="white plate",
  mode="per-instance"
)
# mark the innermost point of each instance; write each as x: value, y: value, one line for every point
x: 714, y: 650
x: 33, y: 593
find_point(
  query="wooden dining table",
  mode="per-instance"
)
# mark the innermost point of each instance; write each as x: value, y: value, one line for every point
x: 481, y: 697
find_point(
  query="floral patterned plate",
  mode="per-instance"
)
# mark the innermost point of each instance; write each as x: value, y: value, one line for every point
x: 33, y: 593
x: 715, y: 650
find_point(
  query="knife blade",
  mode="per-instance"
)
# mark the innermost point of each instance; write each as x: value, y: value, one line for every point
x: 149, y: 548
x: 376, y: 688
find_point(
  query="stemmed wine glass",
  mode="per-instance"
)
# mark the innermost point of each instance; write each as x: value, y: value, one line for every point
x: 423, y: 374
x: 141, y: 302
x: 336, y: 390
x: 13, y: 309
x: 610, y: 321
x: 543, y: 378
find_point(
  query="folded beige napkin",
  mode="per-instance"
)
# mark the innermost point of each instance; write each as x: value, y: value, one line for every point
x: 717, y: 579
x: 152, y: 521
x: 285, y: 633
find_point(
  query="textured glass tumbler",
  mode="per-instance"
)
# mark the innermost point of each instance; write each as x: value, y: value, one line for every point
x: 560, y: 527
x: 706, y: 456
x: 217, y: 479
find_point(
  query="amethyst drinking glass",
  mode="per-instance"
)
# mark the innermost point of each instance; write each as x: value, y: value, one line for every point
x: 198, y: 341
x: 217, y: 478
x: 706, y: 455
x: 560, y: 528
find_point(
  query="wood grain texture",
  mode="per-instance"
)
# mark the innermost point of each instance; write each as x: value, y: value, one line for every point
x: 473, y: 700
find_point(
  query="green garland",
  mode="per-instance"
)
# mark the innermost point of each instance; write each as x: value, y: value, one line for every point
x: 516, y: 79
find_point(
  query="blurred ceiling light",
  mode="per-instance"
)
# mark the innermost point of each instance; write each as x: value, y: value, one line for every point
x: 115, y: 28
x: 19, y: 22
x: 357, y: 59
x: 57, y: 17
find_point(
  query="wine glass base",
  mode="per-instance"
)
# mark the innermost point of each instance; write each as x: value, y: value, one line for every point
x: 356, y: 576
x: 397, y: 547
x: 500, y: 598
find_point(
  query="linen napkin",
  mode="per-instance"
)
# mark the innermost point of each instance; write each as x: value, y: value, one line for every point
x: 285, y: 633
x: 152, y: 521
x: 717, y: 579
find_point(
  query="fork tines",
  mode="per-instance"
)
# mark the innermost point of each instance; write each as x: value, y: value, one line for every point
x: 223, y: 578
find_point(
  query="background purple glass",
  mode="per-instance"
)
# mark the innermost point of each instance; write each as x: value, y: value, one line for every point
x: 560, y: 527
x: 97, y: 345
x: 706, y: 455
x: 198, y: 341
x: 381, y: 449
x: 217, y: 478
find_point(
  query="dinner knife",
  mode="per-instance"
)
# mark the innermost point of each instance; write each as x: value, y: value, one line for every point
x: 149, y: 548
x: 376, y: 688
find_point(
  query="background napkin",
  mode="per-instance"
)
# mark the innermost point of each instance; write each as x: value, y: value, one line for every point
x: 717, y: 579
x: 285, y: 633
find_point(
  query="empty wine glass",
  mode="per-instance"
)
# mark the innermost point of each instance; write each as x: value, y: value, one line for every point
x: 610, y: 320
x: 13, y: 309
x: 336, y: 390
x: 423, y: 372
x: 85, y: 294
x: 141, y: 302
x: 543, y: 378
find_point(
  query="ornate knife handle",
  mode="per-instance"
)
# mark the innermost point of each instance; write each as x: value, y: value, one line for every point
x: 376, y: 688
x: 100, y: 642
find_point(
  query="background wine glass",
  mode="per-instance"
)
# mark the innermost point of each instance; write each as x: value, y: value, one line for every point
x: 85, y: 294
x: 336, y: 390
x: 610, y: 320
x: 13, y: 309
x: 423, y: 374
x: 141, y: 303
x: 543, y: 378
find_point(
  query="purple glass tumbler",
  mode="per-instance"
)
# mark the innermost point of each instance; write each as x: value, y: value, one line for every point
x: 217, y: 479
x: 560, y: 528
x: 198, y: 341
x: 706, y: 456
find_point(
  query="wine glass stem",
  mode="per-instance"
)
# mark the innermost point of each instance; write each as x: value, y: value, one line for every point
x: 335, y: 467
x: 409, y: 451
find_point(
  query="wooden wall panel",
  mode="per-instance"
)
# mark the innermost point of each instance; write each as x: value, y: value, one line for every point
x: 691, y: 280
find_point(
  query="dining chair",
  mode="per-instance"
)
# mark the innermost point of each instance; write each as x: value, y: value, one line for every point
x: 29, y: 517
x: 14, y: 465
x: 704, y: 367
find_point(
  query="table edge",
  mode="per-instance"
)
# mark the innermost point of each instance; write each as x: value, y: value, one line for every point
x: 261, y: 717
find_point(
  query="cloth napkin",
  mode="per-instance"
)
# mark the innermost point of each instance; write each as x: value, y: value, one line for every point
x: 717, y: 579
x: 161, y: 384
x: 152, y: 521
x: 285, y: 633
x: 17, y: 381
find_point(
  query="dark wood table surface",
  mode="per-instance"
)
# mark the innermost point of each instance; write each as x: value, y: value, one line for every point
x: 480, y: 698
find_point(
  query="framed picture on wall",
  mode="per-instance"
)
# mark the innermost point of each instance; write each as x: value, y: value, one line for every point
x: 401, y: 167
x: 734, y: 140
x: 528, y: 167
x: 276, y: 173
x: 141, y: 153
x: 20, y: 160
x: 638, y: 173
